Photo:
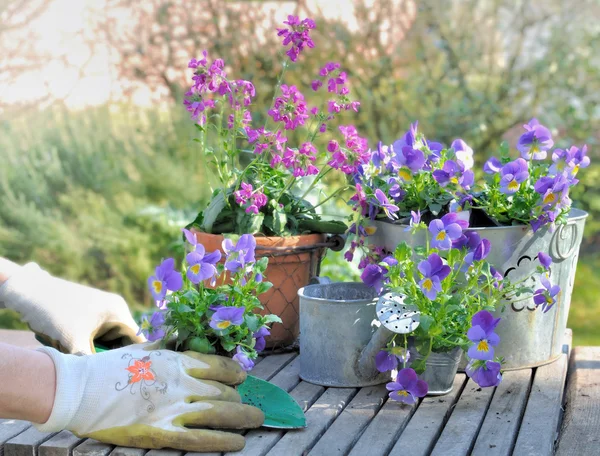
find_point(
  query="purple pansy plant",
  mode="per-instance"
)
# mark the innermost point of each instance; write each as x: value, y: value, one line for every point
x: 225, y: 317
x: 513, y: 174
x: 446, y: 230
x: 202, y: 265
x: 407, y: 387
x: 484, y: 372
x: 434, y: 271
x: 546, y: 297
x: 240, y: 254
x: 483, y: 336
x: 535, y: 142
x: 152, y: 328
x: 165, y: 279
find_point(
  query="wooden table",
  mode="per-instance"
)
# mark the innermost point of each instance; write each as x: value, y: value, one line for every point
x: 522, y: 416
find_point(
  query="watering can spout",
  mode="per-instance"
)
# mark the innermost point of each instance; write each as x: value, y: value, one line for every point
x: 366, y: 367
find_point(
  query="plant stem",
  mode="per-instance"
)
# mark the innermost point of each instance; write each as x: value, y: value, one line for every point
x: 319, y: 176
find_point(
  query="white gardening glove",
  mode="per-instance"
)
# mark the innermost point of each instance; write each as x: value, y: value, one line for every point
x: 66, y: 315
x: 138, y: 396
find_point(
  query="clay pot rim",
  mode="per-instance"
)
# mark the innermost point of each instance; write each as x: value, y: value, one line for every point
x: 284, y: 241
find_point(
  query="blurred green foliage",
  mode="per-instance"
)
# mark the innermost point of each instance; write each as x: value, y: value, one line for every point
x: 98, y: 196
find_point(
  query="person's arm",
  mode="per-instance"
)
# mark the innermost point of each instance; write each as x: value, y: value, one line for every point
x: 27, y: 384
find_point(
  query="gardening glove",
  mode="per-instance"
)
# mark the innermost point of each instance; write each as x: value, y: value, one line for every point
x: 66, y: 315
x: 139, y: 396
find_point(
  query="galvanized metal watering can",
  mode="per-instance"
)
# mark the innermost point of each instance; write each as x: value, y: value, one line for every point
x: 340, y: 334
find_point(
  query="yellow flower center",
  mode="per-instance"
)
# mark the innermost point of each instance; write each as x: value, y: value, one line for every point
x: 575, y: 169
x: 549, y: 300
x: 157, y: 285
x: 224, y: 324
x: 405, y: 174
x: 549, y: 198
x: 513, y: 185
x: 370, y: 230
x: 428, y: 284
x: 403, y: 393
x: 146, y: 326
x: 534, y: 149
x: 454, y: 180
x: 195, y: 269
x: 483, y: 346
x: 441, y: 236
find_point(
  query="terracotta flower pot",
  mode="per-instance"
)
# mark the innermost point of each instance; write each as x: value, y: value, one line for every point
x: 293, y: 261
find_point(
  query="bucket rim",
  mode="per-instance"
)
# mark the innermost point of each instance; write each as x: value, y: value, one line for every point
x: 302, y: 295
x: 575, y: 215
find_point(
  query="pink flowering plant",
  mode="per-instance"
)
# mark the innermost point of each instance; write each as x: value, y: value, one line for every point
x: 452, y: 288
x: 264, y: 179
x: 219, y: 318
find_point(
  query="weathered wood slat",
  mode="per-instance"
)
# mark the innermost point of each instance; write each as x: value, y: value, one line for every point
x: 347, y: 428
x: 26, y: 443
x: 498, y: 433
x: 10, y: 429
x: 164, y: 453
x: 259, y: 441
x: 580, y: 430
x: 272, y: 364
x: 318, y: 418
x: 61, y: 444
x: 461, y: 428
x: 126, y: 451
x: 426, y: 423
x: 384, y: 429
x: 539, y: 427
x: 92, y: 447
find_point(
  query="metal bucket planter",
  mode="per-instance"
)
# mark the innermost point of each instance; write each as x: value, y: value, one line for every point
x: 337, y: 322
x: 528, y: 337
x: 440, y: 370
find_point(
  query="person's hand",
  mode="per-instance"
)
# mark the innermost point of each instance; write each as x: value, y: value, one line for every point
x: 138, y: 396
x: 68, y: 316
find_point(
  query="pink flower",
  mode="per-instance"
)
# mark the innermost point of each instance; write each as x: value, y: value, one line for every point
x: 301, y: 161
x: 245, y: 120
x: 298, y: 36
x: 355, y: 153
x: 290, y: 108
x: 254, y: 198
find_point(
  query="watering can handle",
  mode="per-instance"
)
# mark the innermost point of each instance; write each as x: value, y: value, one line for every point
x: 320, y: 281
x: 366, y: 363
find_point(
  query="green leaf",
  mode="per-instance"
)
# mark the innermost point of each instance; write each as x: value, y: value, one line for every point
x: 216, y: 205
x: 252, y: 321
x: 263, y: 287
x: 280, y: 409
x: 435, y: 208
x: 271, y: 319
x: 249, y: 223
x: 425, y: 322
x: 279, y: 220
x: 419, y: 365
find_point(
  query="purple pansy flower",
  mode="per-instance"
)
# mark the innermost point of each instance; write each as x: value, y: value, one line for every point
x: 415, y: 219
x: 546, y: 297
x: 260, y: 335
x: 463, y: 152
x: 513, y: 174
x: 383, y: 202
x: 446, y: 230
x: 545, y: 260
x: 454, y: 172
x: 225, y: 317
x: 243, y: 360
x: 202, y: 266
x: 408, y: 139
x: 165, y: 278
x: 554, y: 190
x: 492, y: 166
x: 374, y: 274
x: 434, y: 271
x: 534, y: 143
x: 152, y: 328
x: 388, y: 360
x: 483, y: 336
x: 407, y: 387
x: 484, y: 373
x: 241, y: 254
